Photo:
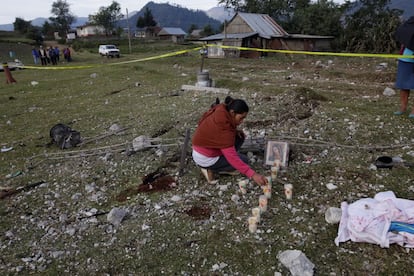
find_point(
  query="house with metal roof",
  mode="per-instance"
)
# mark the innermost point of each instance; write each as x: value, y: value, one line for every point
x: 174, y: 34
x: 253, y: 30
x: 89, y: 30
x: 147, y: 32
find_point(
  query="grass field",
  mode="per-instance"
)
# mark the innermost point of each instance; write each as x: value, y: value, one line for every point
x: 332, y: 111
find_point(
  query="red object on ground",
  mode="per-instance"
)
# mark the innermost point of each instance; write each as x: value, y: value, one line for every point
x: 9, y: 77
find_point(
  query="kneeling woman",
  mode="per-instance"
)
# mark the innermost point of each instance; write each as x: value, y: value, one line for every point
x: 217, y: 140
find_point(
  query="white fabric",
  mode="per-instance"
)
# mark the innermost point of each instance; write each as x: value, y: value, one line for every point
x: 204, y: 161
x: 369, y: 219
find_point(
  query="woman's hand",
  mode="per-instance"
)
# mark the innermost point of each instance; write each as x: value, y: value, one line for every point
x: 259, y: 179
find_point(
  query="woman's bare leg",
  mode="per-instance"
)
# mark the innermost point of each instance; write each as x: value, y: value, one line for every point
x: 404, y: 93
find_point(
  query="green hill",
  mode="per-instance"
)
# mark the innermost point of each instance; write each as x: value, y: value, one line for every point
x: 167, y: 15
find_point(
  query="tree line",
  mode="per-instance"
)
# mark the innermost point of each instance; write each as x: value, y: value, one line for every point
x: 363, y: 26
x: 63, y: 19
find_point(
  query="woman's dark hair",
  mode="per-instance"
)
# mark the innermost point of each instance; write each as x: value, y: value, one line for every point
x: 238, y: 106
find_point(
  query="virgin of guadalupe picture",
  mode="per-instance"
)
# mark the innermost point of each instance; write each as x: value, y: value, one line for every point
x: 276, y: 150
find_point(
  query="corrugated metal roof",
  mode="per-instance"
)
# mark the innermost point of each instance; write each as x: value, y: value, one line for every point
x: 172, y: 31
x: 263, y: 24
x: 229, y: 36
x: 303, y: 36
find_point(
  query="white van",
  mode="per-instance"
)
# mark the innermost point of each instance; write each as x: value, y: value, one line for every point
x: 109, y: 51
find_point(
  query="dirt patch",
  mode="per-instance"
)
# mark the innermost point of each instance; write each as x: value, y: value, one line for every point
x: 292, y: 106
x: 153, y: 182
x: 258, y: 123
x: 125, y: 194
x: 162, y: 183
x: 199, y: 212
x: 306, y: 95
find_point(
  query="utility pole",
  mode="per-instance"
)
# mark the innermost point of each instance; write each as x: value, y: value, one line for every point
x: 228, y: 10
x: 129, y: 33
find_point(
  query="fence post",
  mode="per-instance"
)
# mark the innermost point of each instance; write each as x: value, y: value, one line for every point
x: 9, y: 77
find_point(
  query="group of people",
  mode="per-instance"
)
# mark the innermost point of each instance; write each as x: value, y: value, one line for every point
x: 49, y: 55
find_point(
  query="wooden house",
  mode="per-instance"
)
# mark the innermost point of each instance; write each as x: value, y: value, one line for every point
x: 177, y: 35
x: 197, y: 33
x: 253, y: 30
x: 89, y: 30
x: 147, y: 32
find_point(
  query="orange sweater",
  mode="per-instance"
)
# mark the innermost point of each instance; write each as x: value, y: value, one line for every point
x: 216, y: 129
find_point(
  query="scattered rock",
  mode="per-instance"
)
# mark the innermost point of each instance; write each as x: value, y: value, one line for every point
x: 116, y: 215
x: 235, y: 198
x: 141, y: 142
x: 297, y: 262
x: 176, y: 198
x: 115, y: 128
x: 389, y: 92
x: 331, y: 186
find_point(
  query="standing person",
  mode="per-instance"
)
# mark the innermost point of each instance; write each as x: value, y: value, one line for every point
x: 66, y: 54
x: 43, y: 55
x: 36, y: 56
x: 405, y: 81
x: 52, y: 55
x: 57, y: 54
x: 217, y: 140
x: 47, y: 54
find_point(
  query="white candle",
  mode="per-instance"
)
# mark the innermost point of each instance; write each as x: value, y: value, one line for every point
x: 267, y: 191
x: 269, y: 180
x: 252, y: 224
x: 243, y: 186
x: 288, y: 191
x: 273, y: 172
x: 263, y: 203
x: 333, y: 215
x: 256, y: 213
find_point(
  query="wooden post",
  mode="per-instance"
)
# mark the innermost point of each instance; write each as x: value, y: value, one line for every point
x: 6, y: 193
x: 9, y: 77
x: 202, y: 61
x: 184, y: 152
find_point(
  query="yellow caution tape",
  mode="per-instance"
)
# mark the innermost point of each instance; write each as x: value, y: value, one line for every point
x: 224, y: 47
x: 313, y: 53
x: 116, y: 63
x: 54, y: 67
x: 158, y: 57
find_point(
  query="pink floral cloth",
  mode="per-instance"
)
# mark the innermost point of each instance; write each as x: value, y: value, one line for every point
x: 369, y: 219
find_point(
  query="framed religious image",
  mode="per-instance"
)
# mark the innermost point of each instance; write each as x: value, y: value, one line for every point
x: 276, y: 150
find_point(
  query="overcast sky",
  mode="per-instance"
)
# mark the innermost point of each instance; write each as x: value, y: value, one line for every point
x: 82, y: 8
